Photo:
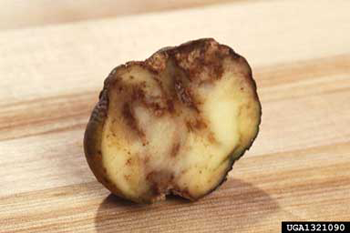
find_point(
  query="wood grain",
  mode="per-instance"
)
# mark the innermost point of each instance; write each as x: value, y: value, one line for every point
x: 34, y: 13
x: 297, y: 169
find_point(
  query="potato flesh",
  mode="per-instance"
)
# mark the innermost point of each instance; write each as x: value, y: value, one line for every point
x: 144, y: 168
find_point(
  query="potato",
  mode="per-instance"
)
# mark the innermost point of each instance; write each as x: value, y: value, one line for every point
x: 174, y: 123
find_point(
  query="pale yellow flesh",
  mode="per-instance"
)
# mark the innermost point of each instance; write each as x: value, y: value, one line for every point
x: 232, y: 115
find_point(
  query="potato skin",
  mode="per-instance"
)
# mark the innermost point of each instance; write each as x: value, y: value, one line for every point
x: 94, y: 129
x: 93, y: 138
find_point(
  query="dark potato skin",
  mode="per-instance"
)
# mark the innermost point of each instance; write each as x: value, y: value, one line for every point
x: 92, y: 140
x: 156, y: 63
x: 93, y: 136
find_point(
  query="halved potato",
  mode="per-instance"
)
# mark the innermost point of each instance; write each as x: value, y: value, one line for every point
x: 174, y: 123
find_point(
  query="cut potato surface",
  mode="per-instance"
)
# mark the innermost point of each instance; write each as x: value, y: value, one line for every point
x: 174, y: 123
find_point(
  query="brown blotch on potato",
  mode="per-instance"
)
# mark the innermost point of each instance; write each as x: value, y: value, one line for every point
x: 161, y: 181
x: 196, y: 124
x: 175, y: 149
x: 128, y: 162
x: 131, y: 120
x: 184, y: 95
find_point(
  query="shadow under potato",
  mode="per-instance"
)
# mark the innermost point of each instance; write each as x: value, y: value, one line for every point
x: 234, y: 206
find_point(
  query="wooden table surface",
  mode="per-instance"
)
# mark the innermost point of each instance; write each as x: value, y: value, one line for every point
x: 297, y: 169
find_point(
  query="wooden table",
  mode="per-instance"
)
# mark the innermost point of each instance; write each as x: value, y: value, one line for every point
x: 298, y: 168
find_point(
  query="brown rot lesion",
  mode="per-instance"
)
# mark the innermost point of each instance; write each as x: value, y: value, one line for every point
x: 129, y: 116
x: 175, y: 149
x: 185, y: 95
x: 161, y: 183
